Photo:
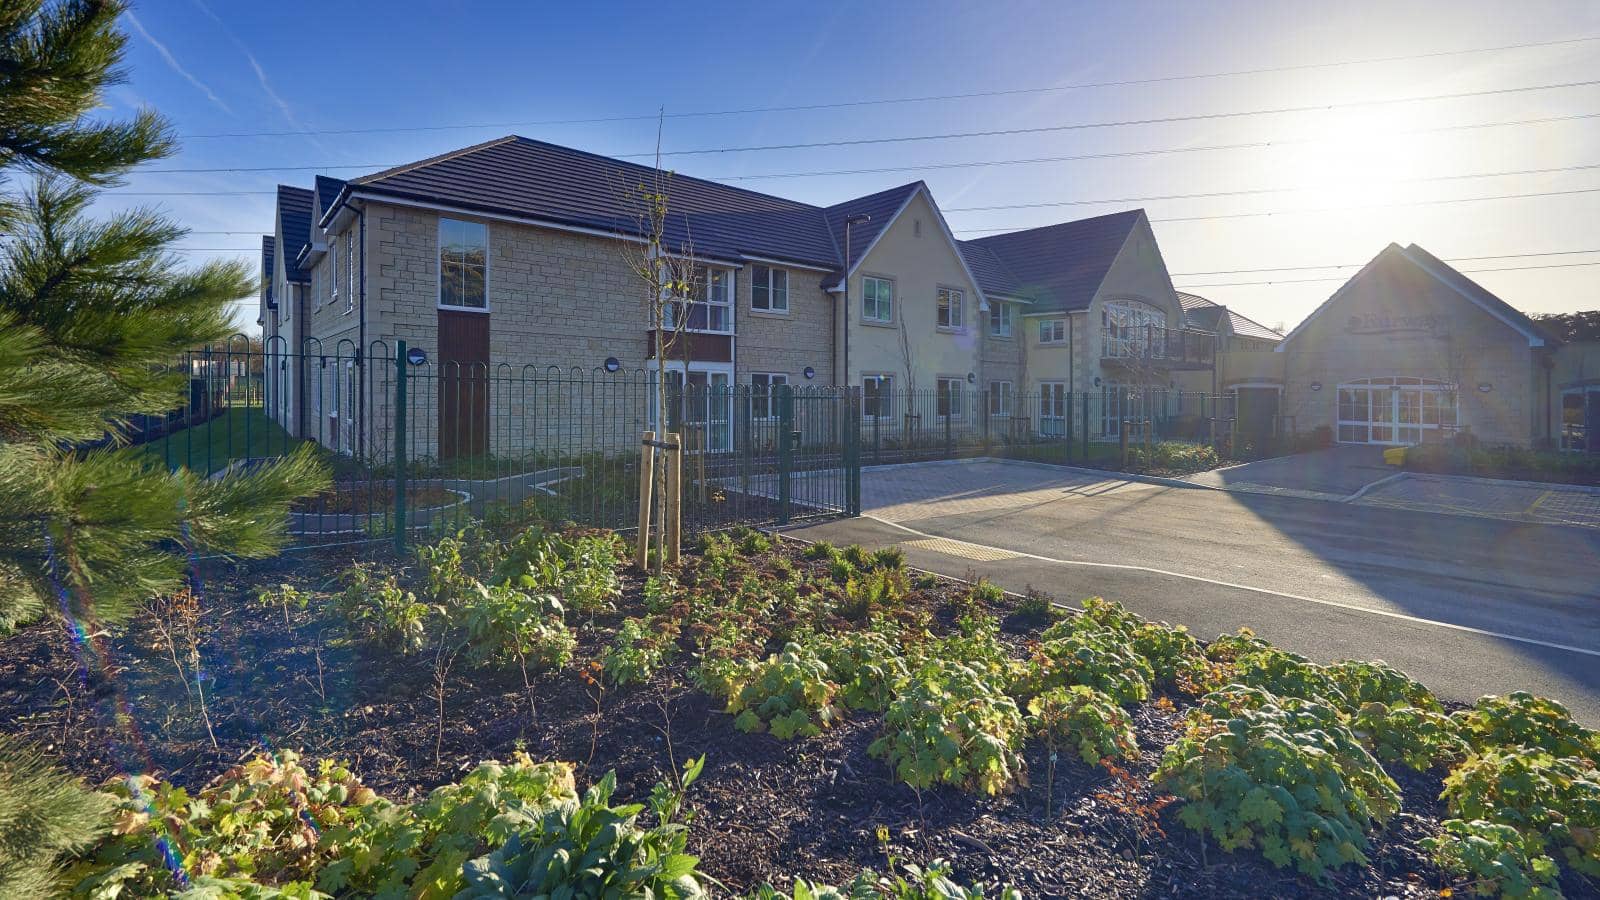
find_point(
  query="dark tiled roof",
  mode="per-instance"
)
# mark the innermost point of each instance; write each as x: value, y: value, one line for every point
x: 523, y: 177
x: 880, y: 206
x: 269, y: 244
x: 294, y: 211
x: 327, y: 189
x: 1062, y: 266
x: 1198, y: 312
x: 992, y: 274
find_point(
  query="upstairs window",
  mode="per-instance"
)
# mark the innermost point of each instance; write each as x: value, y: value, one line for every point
x: 710, y: 302
x: 769, y: 289
x: 463, y: 264
x: 950, y: 303
x: 333, y: 270
x: 877, y: 300
x: 350, y: 269
x: 1052, y: 331
x: 1000, y: 318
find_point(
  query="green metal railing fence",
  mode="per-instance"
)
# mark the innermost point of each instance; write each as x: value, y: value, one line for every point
x: 418, y: 445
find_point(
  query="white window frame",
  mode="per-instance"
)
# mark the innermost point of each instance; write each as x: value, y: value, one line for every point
x: 350, y: 268
x: 950, y: 390
x: 950, y: 305
x: 768, y: 285
x: 333, y: 270
x: 884, y: 382
x: 1132, y: 329
x: 1393, y: 390
x: 439, y: 261
x: 1001, y: 318
x: 715, y: 307
x: 1057, y: 331
x: 878, y: 317
x: 773, y: 379
x: 1054, y: 403
x: 1005, y: 405
x: 708, y: 369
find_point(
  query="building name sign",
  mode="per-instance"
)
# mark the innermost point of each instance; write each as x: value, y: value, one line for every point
x: 1387, y: 323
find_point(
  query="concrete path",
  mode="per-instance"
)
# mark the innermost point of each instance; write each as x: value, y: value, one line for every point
x: 1515, y: 501
x: 1332, y: 474
x: 1469, y: 605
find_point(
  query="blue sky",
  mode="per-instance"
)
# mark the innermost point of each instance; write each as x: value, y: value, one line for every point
x: 304, y: 70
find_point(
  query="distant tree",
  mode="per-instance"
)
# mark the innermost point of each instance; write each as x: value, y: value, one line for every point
x: 92, y: 314
x: 1572, y: 326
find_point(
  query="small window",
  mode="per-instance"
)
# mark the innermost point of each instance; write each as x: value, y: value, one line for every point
x: 1052, y: 331
x: 769, y: 289
x: 999, y: 398
x: 762, y: 403
x: 463, y: 264
x: 1000, y: 315
x: 950, y: 309
x: 877, y: 299
x: 333, y: 270
x: 951, y: 391
x: 877, y: 396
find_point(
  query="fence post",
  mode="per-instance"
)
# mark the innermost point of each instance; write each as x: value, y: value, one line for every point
x: 983, y: 410
x: 877, y: 438
x: 785, y: 449
x: 674, y: 500
x: 1085, y: 456
x: 400, y: 447
x: 852, y: 455
x: 949, y: 443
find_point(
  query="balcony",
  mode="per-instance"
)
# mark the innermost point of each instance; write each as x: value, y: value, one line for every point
x: 1156, y: 347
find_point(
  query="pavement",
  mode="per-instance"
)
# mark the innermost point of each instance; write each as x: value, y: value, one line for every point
x: 1331, y: 474
x: 1470, y: 605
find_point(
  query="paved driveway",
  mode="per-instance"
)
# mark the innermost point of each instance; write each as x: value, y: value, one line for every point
x: 1331, y: 474
x: 1469, y: 605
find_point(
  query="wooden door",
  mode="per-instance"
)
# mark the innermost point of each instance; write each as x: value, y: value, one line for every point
x: 463, y: 384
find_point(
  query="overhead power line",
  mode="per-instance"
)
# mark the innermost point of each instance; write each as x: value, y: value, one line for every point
x: 1199, y: 287
x: 1317, y: 209
x: 1355, y: 265
x: 882, y: 101
x: 1271, y: 190
x: 941, y: 136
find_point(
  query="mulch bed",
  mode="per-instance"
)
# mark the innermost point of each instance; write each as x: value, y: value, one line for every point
x: 363, y: 497
x: 766, y: 809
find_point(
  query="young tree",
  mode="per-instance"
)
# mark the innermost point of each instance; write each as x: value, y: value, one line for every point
x: 666, y: 268
x: 92, y: 313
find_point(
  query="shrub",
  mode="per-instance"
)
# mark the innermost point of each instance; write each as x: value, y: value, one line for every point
x: 1283, y: 777
x: 383, y: 613
x: 857, y: 556
x: 750, y: 541
x: 505, y: 625
x: 950, y: 726
x: 1377, y: 682
x: 1495, y: 858
x: 1099, y: 659
x: 1171, y: 651
x: 661, y: 593
x: 987, y: 592
x: 1174, y: 456
x: 1419, y: 738
x: 1520, y: 719
x: 589, y: 849
x: 1085, y: 718
x: 1039, y: 607
x: 1553, y: 803
x: 789, y: 692
x: 889, y: 558
x: 1286, y: 674
x: 820, y: 550
x: 641, y: 646
x: 873, y: 592
x: 866, y: 665
x: 590, y: 582
x: 975, y: 643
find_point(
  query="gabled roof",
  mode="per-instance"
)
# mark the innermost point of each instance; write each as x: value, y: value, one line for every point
x: 294, y: 217
x: 992, y: 274
x: 1416, y: 258
x: 882, y: 207
x: 327, y: 191
x: 531, y: 179
x: 1062, y: 266
x: 269, y: 244
x: 1198, y: 312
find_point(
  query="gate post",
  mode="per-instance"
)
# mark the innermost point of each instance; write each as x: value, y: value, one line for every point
x: 1085, y: 425
x: 400, y: 447
x: 852, y: 455
x: 785, y: 448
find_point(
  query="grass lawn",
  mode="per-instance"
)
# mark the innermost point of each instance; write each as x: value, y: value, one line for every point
x: 239, y: 433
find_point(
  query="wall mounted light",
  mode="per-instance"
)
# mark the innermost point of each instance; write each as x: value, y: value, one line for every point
x: 972, y: 378
x: 613, y: 364
x: 810, y: 373
x: 1097, y: 381
x: 416, y: 356
x: 1485, y: 387
x: 1316, y: 385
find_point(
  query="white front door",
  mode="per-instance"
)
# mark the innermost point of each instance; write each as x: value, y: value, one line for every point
x: 701, y: 405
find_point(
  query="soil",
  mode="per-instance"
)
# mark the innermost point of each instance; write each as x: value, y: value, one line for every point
x: 765, y: 809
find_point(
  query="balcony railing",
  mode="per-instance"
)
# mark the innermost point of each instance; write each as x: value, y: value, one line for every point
x: 1158, y: 346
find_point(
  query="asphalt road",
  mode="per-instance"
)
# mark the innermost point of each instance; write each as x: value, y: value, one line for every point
x: 1469, y: 606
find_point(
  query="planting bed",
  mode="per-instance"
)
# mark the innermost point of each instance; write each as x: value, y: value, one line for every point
x: 314, y: 669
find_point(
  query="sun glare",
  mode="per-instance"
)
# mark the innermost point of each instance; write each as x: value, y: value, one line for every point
x: 1355, y: 158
